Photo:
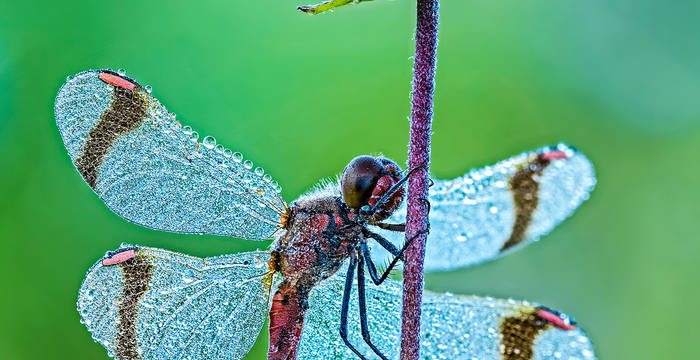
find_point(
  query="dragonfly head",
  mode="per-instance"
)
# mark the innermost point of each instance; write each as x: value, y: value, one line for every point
x: 366, y: 180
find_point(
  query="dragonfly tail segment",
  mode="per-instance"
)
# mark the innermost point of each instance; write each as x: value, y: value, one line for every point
x: 287, y: 312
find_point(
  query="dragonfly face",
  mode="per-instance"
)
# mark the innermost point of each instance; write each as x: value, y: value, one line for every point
x: 366, y: 180
x: 146, y: 303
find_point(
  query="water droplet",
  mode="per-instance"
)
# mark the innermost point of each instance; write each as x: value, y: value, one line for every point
x: 237, y: 157
x: 219, y: 148
x: 267, y: 178
x: 209, y: 142
x: 228, y: 153
x: 69, y: 78
x: 194, y: 136
x: 121, y: 72
x: 148, y: 88
x: 259, y: 171
x: 248, y: 164
x: 493, y: 210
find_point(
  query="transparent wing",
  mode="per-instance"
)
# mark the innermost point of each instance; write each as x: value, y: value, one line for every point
x: 146, y: 303
x: 490, y: 211
x: 452, y: 327
x: 151, y: 170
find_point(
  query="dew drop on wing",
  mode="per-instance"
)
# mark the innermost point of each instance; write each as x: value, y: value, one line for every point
x: 238, y: 157
x: 259, y: 171
x: 121, y: 72
x: 219, y: 148
x: 228, y: 153
x: 194, y: 136
x: 248, y: 164
x: 209, y: 142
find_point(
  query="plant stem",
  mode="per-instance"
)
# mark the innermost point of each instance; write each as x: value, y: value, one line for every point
x: 419, y: 156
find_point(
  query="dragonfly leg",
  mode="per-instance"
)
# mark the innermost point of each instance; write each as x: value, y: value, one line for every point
x: 346, y: 303
x: 393, y: 263
x: 370, y: 264
x: 383, y: 242
x: 390, y: 227
x: 363, y: 306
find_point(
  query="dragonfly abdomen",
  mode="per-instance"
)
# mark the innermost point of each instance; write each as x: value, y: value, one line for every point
x: 287, y: 312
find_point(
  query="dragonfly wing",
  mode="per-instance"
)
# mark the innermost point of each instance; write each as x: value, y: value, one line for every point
x: 491, y: 211
x: 146, y: 303
x: 452, y: 327
x: 151, y: 170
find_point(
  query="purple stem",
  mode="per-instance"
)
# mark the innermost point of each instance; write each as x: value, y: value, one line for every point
x: 419, y: 155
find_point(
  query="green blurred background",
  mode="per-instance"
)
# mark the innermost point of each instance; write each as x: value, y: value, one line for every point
x: 301, y: 95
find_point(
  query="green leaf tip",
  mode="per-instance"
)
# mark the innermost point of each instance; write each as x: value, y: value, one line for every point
x: 327, y: 5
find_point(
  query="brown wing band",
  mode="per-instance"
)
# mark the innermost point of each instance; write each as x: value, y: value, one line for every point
x: 137, y: 274
x: 525, y: 188
x: 518, y: 334
x: 125, y: 113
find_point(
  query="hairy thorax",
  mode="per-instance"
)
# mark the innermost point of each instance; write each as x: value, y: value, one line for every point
x: 319, y: 237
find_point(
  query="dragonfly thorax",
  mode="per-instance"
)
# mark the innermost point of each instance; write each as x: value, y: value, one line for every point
x: 324, y: 227
x: 320, y: 233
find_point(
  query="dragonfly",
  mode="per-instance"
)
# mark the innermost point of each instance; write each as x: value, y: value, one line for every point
x: 148, y: 303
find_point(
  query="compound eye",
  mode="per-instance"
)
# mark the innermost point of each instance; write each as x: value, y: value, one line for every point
x: 359, y: 179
